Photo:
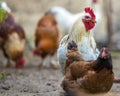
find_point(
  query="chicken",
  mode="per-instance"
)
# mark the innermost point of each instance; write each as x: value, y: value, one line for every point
x: 87, y: 76
x: 67, y: 19
x: 12, y: 41
x: 46, y: 38
x: 82, y: 35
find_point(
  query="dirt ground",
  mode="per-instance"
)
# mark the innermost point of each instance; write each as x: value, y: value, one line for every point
x: 32, y: 81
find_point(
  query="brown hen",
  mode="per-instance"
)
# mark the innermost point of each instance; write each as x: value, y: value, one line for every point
x: 46, y: 37
x: 12, y: 41
x: 88, y: 76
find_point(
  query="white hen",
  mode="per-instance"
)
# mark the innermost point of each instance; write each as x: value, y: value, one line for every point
x: 65, y: 18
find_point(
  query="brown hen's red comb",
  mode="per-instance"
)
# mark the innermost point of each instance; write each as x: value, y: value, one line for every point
x: 90, y: 11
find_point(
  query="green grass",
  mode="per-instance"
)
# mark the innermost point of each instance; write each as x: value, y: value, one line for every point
x: 3, y: 75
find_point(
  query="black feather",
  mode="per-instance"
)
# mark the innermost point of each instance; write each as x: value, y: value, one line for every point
x: 71, y: 45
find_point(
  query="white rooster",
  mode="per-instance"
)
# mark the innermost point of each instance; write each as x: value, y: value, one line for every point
x: 65, y: 18
x: 82, y: 35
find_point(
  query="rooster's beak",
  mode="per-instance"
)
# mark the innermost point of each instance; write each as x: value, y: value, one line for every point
x: 94, y: 21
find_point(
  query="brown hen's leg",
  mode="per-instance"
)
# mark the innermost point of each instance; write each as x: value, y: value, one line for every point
x: 41, y: 64
x: 53, y: 62
x: 8, y: 64
x: 46, y: 62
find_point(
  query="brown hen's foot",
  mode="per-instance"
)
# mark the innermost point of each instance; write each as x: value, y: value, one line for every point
x: 7, y: 65
x: 40, y: 65
x: 54, y: 64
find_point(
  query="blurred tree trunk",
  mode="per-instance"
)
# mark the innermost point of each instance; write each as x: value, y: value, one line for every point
x: 109, y: 11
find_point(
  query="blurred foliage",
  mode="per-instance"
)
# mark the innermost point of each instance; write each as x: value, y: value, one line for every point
x: 2, y: 13
x: 3, y: 75
x: 1, y: 1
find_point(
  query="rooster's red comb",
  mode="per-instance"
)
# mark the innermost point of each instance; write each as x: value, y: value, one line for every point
x: 90, y: 11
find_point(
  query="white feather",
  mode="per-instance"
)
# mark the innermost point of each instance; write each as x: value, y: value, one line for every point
x: 64, y: 17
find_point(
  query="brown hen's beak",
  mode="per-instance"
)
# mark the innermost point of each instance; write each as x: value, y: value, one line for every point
x: 94, y: 21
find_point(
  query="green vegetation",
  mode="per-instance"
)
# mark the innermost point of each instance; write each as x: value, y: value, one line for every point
x: 2, y: 75
x: 2, y: 13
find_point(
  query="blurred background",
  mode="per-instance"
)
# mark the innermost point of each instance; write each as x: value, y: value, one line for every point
x: 27, y: 13
x: 34, y: 82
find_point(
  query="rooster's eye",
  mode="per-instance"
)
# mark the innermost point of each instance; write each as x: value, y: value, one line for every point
x: 87, y: 17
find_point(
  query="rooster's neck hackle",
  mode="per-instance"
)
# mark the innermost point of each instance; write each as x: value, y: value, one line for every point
x: 77, y: 31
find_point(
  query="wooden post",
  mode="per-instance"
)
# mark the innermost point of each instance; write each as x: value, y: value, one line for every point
x: 109, y: 11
